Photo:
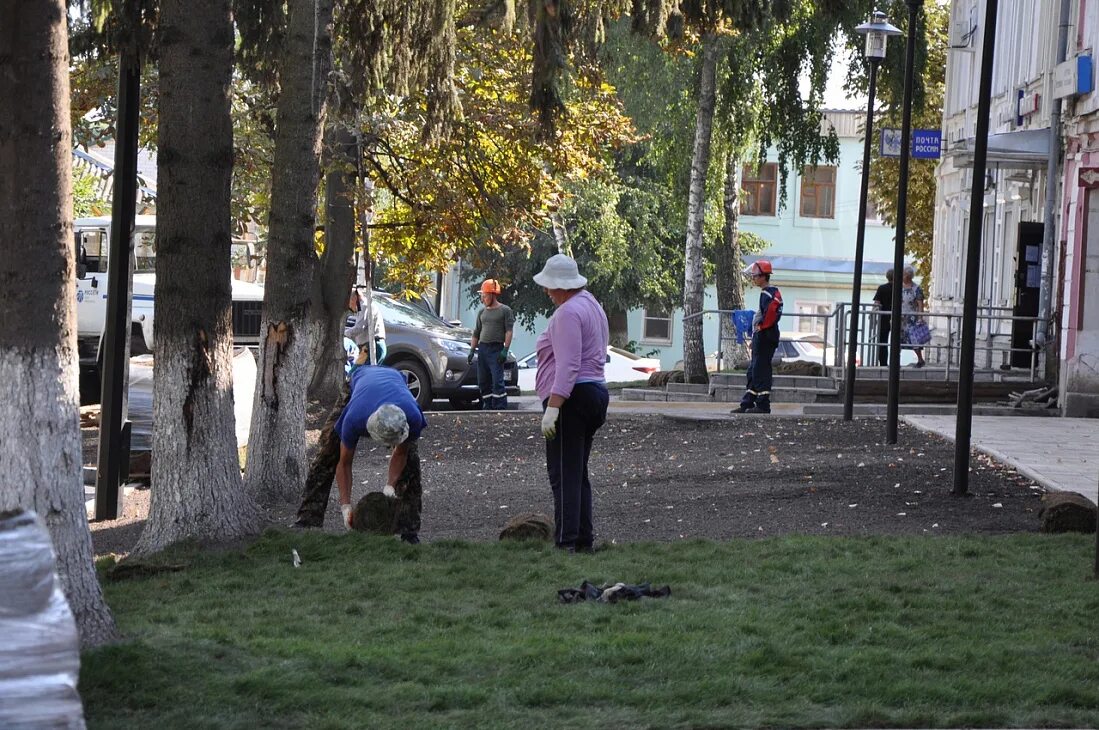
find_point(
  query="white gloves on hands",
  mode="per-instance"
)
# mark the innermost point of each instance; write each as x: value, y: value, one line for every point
x: 389, y: 491
x: 346, y: 510
x: 549, y: 422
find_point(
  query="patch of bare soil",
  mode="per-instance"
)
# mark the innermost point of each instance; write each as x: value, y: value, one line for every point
x: 663, y: 478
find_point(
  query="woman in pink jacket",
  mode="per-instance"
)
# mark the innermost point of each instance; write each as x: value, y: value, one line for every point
x: 571, y: 355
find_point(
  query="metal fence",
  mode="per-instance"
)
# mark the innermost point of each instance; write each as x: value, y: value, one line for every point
x: 994, y: 347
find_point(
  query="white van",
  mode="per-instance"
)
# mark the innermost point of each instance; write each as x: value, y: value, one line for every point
x: 92, y: 245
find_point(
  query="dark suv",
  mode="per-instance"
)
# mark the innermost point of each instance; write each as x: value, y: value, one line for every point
x: 431, y: 353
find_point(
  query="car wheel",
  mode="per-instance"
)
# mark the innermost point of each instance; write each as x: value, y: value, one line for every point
x: 463, y: 404
x: 137, y: 342
x: 419, y: 384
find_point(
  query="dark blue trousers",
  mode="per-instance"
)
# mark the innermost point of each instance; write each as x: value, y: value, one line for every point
x: 567, y: 463
x: 760, y: 369
x: 490, y: 376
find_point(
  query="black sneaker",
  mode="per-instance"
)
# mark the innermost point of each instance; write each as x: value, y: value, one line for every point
x: 411, y: 538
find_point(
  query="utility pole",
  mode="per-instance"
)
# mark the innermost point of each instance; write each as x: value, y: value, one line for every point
x: 112, y: 466
x: 964, y: 424
x: 893, y: 392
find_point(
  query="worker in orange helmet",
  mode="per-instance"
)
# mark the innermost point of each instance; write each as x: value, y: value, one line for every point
x: 765, y: 335
x: 490, y: 344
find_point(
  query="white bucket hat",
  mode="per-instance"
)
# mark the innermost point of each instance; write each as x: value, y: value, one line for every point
x: 388, y: 425
x: 560, y: 272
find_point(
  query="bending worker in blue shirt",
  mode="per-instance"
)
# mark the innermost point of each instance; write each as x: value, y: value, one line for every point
x: 380, y: 407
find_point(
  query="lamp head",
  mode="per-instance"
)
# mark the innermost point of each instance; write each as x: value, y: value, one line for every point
x: 877, y: 33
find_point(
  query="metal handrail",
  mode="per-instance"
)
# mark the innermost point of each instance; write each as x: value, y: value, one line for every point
x: 837, y: 324
x: 987, y: 343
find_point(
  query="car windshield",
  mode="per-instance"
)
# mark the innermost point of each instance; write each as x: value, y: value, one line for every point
x: 94, y: 242
x: 401, y: 313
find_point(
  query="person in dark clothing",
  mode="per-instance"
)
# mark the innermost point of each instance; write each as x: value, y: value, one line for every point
x: 379, y: 405
x: 883, y: 301
x: 765, y: 335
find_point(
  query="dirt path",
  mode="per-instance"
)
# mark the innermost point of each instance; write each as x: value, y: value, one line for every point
x: 663, y: 478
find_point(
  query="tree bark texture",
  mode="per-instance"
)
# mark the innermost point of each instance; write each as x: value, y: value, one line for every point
x: 197, y: 490
x: 40, y: 454
x: 730, y: 282
x: 276, y: 467
x: 694, y: 287
x: 560, y: 233
x: 619, y: 327
x: 336, y: 272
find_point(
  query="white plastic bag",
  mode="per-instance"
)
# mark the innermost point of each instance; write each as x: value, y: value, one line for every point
x: 40, y: 649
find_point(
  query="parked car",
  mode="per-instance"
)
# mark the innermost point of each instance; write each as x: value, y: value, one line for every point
x: 622, y: 366
x: 431, y: 354
x: 808, y: 347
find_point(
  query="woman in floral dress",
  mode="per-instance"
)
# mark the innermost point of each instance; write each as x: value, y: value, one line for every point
x: 912, y: 303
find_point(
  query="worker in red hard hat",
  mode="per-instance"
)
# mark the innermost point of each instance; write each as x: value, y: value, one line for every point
x: 491, y: 342
x: 765, y: 335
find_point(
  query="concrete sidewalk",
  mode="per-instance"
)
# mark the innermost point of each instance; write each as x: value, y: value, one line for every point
x: 1058, y: 453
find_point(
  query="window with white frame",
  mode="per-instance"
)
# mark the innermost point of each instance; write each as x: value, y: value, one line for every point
x: 813, y: 317
x: 959, y: 260
x: 656, y: 326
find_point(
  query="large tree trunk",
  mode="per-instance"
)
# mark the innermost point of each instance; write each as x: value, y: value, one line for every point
x: 196, y: 486
x: 276, y: 466
x: 694, y: 287
x: 619, y: 327
x: 336, y: 272
x: 40, y: 454
x: 730, y: 282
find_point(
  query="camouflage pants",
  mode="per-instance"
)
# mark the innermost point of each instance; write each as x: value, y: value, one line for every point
x: 322, y: 472
x: 410, y: 494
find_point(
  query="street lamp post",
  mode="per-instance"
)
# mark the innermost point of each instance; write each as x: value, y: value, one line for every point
x: 893, y: 392
x: 877, y: 33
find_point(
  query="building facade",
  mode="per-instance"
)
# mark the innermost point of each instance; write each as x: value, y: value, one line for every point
x: 1013, y: 210
x: 1020, y: 261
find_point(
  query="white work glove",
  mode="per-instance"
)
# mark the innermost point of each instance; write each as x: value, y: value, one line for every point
x: 549, y: 422
x: 346, y: 510
x: 389, y: 491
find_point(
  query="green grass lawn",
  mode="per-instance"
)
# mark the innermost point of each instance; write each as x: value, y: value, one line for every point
x: 370, y: 633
